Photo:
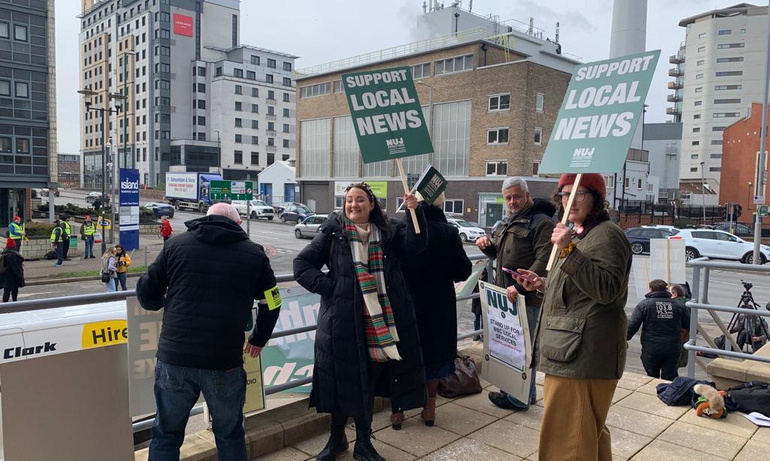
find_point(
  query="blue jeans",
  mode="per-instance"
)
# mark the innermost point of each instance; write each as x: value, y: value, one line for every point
x: 110, y: 286
x: 176, y: 391
x: 532, y: 313
x: 122, y: 280
x: 89, y: 247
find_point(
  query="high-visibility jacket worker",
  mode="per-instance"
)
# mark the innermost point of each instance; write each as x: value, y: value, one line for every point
x: 56, y: 235
x: 16, y: 232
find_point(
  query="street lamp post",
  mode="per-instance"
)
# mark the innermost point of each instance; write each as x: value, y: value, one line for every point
x: 703, y: 192
x: 89, y: 93
x: 219, y: 152
x: 748, y: 198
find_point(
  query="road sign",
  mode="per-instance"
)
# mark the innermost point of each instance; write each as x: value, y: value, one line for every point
x: 104, y: 223
x: 386, y: 114
x: 762, y: 210
x: 231, y: 190
x: 599, y: 115
x: 759, y: 200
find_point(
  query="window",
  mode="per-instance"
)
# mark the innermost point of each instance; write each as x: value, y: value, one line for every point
x: 727, y: 46
x: 201, y: 71
x: 539, y: 101
x: 538, y: 136
x: 270, y: 63
x: 728, y: 101
x: 454, y: 206
x: 4, y: 31
x: 285, y: 127
x: 255, y: 124
x: 499, y: 102
x: 318, y: 89
x: 337, y: 86
x: 271, y: 141
x: 238, y: 106
x: 696, y: 143
x: 255, y: 92
x: 696, y: 129
x: 255, y: 158
x: 5, y: 145
x: 699, y: 89
x: 238, y: 157
x: 22, y: 90
x: 238, y: 73
x: 20, y: 33
x: 238, y: 138
x: 497, y: 136
x: 201, y: 104
x: 201, y: 88
x: 255, y: 108
x: 698, y: 103
x: 218, y: 72
x: 701, y: 49
x: 698, y: 76
x: 696, y: 116
x: 286, y: 112
x: 269, y: 78
x: 715, y: 156
x: 713, y: 169
x: 700, y: 62
x: 639, y: 183
x: 497, y: 168
x: 270, y: 158
x: 270, y: 110
x: 733, y: 59
x: 287, y: 66
x: 726, y: 114
x: 725, y: 32
x: 238, y: 89
x: 271, y: 95
x: 22, y: 146
x: 693, y: 156
x: 421, y: 71
x: 718, y: 128
x: 286, y: 97
x: 5, y: 88
x: 458, y: 64
x: 716, y: 142
x: 702, y: 35
x: 286, y: 143
x: 693, y: 169
x: 728, y: 87
x: 251, y: 75
x: 255, y: 60
x: 286, y: 81
x: 270, y: 126
x: 201, y: 120
x: 239, y: 123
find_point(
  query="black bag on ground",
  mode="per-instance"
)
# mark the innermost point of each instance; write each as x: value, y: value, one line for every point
x: 50, y: 255
x: 751, y: 396
x: 463, y: 381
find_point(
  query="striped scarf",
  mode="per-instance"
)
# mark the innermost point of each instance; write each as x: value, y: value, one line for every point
x: 379, y: 325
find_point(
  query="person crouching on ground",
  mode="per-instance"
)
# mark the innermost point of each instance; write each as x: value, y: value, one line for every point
x: 582, y: 330
x: 367, y: 343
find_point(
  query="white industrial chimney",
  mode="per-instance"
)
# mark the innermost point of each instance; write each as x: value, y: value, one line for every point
x: 629, y: 27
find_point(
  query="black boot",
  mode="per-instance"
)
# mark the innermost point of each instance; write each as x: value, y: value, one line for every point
x: 363, y: 449
x: 337, y: 443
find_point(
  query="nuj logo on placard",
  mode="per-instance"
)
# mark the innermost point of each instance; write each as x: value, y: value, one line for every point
x: 395, y: 146
x: 582, y: 156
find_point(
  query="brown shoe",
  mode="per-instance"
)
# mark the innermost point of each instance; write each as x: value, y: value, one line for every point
x: 429, y: 412
x: 396, y: 419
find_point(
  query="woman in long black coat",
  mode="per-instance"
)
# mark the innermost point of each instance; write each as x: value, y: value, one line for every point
x: 431, y: 277
x: 345, y: 377
x: 13, y: 277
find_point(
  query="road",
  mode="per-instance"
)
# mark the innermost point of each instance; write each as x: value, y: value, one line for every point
x: 282, y: 247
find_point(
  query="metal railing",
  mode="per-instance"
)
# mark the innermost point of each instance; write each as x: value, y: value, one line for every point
x: 701, y: 273
x: 146, y: 422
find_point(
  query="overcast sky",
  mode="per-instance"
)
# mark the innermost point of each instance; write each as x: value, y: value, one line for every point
x: 321, y: 31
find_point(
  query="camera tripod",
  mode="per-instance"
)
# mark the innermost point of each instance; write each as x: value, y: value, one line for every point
x: 748, y: 326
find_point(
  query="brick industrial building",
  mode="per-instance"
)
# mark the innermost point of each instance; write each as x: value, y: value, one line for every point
x: 490, y: 107
x: 739, y: 157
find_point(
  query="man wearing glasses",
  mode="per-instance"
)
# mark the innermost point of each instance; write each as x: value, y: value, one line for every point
x: 522, y: 241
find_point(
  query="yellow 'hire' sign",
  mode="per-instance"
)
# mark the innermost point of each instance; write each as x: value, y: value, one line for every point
x: 102, y: 334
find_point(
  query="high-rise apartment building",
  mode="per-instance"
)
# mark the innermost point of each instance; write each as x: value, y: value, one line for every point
x: 27, y: 103
x: 180, y: 66
x: 720, y: 72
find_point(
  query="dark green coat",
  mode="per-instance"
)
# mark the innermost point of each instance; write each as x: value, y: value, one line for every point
x: 582, y: 327
x: 523, y: 241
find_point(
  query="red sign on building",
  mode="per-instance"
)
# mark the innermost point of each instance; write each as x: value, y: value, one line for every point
x: 183, y: 25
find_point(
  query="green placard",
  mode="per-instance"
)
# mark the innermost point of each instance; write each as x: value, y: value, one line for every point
x: 386, y: 113
x: 231, y: 190
x: 430, y: 184
x: 599, y: 115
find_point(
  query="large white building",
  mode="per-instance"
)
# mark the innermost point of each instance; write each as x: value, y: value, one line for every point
x: 720, y: 72
x: 196, y: 99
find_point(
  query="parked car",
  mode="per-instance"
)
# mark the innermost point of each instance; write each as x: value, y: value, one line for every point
x: 259, y: 209
x: 160, y: 209
x: 309, y: 226
x: 295, y: 212
x: 639, y: 237
x: 718, y: 244
x: 45, y: 191
x: 740, y: 229
x: 92, y: 196
x: 468, y: 232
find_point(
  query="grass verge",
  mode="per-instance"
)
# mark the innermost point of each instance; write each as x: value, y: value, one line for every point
x: 93, y: 273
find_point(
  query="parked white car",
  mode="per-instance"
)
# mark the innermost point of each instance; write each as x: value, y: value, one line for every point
x: 468, y: 232
x: 718, y: 244
x: 259, y: 209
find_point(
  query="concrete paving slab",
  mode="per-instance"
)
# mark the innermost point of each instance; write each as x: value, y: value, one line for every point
x: 620, y: 394
x: 636, y: 421
x: 469, y: 449
x: 514, y: 438
x: 531, y: 418
x: 659, y: 450
x: 735, y: 423
x: 626, y: 444
x: 651, y: 387
x: 417, y: 439
x: 762, y: 435
x: 700, y: 439
x: 287, y: 454
x: 753, y: 451
x: 651, y: 405
x: 461, y: 420
x: 633, y: 381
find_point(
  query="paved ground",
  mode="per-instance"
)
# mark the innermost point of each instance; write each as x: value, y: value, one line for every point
x: 471, y: 428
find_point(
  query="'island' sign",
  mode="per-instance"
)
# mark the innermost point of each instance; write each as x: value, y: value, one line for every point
x: 599, y: 115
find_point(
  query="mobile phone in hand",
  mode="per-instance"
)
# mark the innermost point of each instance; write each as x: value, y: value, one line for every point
x: 518, y: 276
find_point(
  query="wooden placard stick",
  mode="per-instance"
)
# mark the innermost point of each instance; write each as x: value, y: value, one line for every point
x: 406, y: 191
x: 565, y: 219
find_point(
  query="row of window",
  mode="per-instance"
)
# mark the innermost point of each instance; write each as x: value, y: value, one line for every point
x: 500, y: 136
x: 251, y: 75
x: 271, y: 64
x: 255, y: 93
x: 238, y: 158
x: 19, y: 32
x: 502, y: 102
x: 719, y: 101
x: 21, y: 89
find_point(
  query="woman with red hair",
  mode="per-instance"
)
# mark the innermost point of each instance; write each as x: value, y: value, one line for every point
x: 12, y: 277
